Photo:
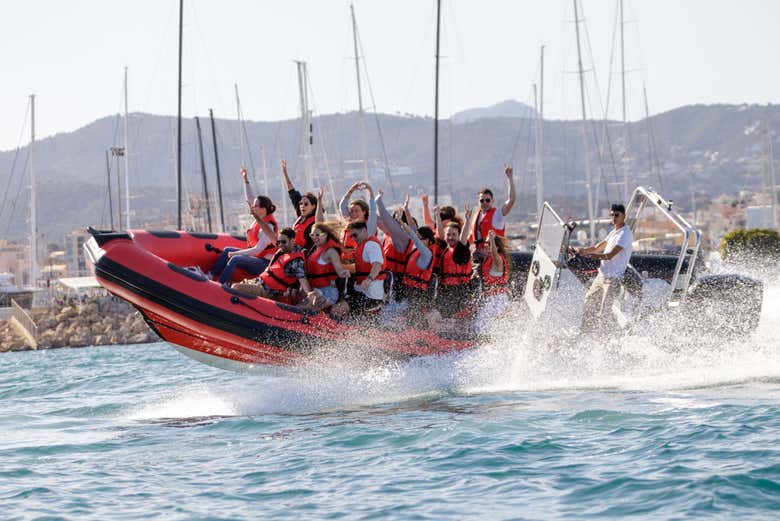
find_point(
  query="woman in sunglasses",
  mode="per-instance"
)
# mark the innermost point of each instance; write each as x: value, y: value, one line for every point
x: 260, y: 240
x: 323, y: 267
x: 308, y: 208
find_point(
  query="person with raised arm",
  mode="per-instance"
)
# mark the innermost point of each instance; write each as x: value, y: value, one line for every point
x: 419, y: 270
x: 356, y: 210
x: 307, y: 208
x: 455, y: 286
x: 260, y: 239
x: 397, y: 246
x: 489, y: 217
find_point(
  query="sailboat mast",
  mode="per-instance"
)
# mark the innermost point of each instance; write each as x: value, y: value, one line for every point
x: 539, y: 141
x: 33, y: 200
x: 771, y: 170
x: 241, y: 136
x: 361, y: 116
x: 110, y: 195
x: 623, y: 98
x: 178, y: 122
x: 127, y: 163
x: 585, y: 153
x: 219, y: 175
x: 307, y: 138
x: 436, y: 110
x: 203, y: 175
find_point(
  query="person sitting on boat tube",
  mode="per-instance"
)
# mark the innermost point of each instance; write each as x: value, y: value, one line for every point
x: 396, y: 246
x: 368, y: 292
x: 494, y: 275
x: 444, y: 215
x: 356, y: 210
x: 308, y: 208
x: 489, y: 217
x: 614, y: 252
x: 284, y: 274
x: 454, y: 293
x: 323, y: 267
x: 260, y: 240
x: 418, y: 272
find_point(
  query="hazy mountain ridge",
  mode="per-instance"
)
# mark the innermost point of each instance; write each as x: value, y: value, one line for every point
x: 708, y: 149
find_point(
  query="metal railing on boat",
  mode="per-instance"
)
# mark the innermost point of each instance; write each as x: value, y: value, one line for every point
x: 24, y: 324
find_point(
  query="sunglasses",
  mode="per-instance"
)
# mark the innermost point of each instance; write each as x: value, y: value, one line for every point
x: 485, y: 200
x: 614, y: 214
x: 353, y: 235
x: 285, y: 241
x: 315, y: 235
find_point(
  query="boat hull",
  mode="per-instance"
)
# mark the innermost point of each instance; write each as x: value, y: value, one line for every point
x: 225, y: 328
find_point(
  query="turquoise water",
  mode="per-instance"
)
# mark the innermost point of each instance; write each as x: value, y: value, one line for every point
x: 512, y: 431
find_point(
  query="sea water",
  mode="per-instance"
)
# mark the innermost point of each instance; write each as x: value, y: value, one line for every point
x: 513, y: 430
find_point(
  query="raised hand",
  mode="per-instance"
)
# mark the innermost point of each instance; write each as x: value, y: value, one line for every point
x: 406, y: 202
x: 507, y: 170
x: 284, y: 166
x: 244, y: 175
x: 424, y: 199
x: 320, y: 193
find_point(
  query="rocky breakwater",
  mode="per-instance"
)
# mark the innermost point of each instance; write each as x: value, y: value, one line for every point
x: 98, y: 321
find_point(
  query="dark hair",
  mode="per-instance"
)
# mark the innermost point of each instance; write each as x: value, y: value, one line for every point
x: 362, y: 204
x: 400, y: 210
x: 487, y: 191
x: 265, y: 202
x: 426, y: 233
x: 356, y: 225
x: 288, y: 232
x: 619, y: 208
x: 312, y: 199
x: 447, y: 212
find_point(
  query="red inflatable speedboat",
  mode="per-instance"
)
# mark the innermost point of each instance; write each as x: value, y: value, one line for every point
x: 226, y: 328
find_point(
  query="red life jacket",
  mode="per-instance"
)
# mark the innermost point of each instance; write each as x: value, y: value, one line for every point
x: 253, y: 235
x: 482, y: 227
x: 453, y: 274
x: 320, y: 275
x: 414, y: 276
x: 493, y: 285
x: 350, y: 244
x: 395, y: 261
x: 300, y: 227
x: 437, y: 251
x: 274, y: 276
x: 363, y: 268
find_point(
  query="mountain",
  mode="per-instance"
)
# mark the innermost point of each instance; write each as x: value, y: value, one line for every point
x: 505, y: 109
x: 701, y: 151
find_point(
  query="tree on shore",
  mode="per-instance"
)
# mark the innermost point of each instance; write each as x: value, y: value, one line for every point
x: 752, y: 246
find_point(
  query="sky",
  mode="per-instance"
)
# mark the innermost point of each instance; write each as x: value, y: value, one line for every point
x: 72, y: 55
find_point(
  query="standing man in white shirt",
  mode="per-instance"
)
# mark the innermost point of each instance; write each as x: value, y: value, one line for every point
x: 614, y: 252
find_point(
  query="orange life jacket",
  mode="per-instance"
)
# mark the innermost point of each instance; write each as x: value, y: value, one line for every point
x: 348, y: 253
x: 253, y: 235
x: 453, y: 274
x: 415, y: 277
x: 320, y: 275
x: 274, y: 276
x: 395, y: 261
x: 493, y: 285
x: 363, y: 268
x: 483, y: 226
x: 300, y: 227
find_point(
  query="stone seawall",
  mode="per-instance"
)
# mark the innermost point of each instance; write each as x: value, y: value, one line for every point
x: 96, y: 321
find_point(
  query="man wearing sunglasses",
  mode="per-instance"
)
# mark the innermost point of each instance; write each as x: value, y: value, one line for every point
x: 285, y: 272
x: 489, y: 217
x: 614, y: 252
